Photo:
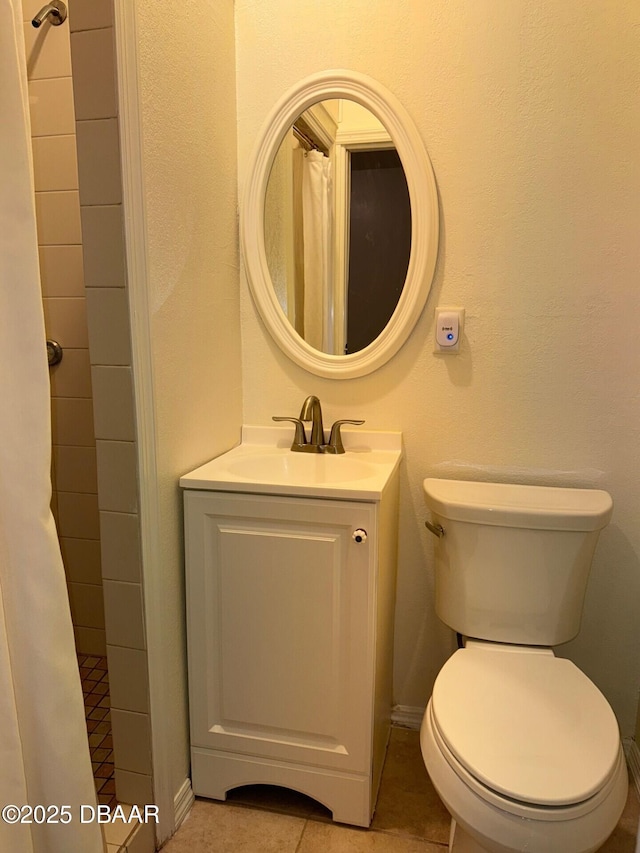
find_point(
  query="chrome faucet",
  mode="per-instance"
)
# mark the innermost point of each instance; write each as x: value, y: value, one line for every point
x: 311, y: 412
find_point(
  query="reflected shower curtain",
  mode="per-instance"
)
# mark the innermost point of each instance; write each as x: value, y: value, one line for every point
x: 318, y: 255
x: 44, y: 754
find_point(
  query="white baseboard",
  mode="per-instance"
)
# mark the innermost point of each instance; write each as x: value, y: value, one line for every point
x: 183, y: 801
x: 632, y: 753
x: 407, y: 717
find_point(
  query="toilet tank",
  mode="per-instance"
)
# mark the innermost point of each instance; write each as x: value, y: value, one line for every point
x: 513, y: 563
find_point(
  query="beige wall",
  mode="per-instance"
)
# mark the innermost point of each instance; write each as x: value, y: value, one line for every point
x: 530, y: 115
x: 75, y: 487
x: 187, y: 85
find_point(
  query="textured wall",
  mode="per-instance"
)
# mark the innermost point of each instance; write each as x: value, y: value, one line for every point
x: 187, y: 68
x: 531, y: 118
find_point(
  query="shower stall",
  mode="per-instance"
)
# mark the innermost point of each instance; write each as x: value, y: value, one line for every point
x: 44, y: 745
x: 64, y: 246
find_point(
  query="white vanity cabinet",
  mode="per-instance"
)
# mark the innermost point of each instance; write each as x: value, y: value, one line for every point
x: 290, y: 639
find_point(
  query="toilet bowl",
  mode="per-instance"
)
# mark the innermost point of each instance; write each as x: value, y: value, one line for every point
x: 524, y: 751
x: 521, y: 746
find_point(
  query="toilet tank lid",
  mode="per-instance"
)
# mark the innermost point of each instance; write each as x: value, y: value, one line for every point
x: 513, y: 505
x: 526, y: 724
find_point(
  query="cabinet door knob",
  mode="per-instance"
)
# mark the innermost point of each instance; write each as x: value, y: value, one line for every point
x: 359, y: 535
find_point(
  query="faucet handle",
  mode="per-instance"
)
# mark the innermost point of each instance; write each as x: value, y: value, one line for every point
x: 299, y: 439
x: 335, y: 439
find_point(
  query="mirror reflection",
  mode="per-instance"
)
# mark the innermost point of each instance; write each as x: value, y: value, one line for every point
x: 337, y: 226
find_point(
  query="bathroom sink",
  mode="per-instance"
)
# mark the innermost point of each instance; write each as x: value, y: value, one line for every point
x: 300, y: 467
x: 265, y: 463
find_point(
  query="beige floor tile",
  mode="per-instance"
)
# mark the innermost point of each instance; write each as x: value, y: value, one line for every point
x: 407, y: 801
x: 409, y: 818
x: 331, y: 838
x: 219, y: 828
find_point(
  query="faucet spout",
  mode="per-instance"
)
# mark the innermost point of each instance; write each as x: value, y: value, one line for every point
x: 312, y: 411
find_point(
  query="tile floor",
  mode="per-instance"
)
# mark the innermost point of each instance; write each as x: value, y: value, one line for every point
x: 409, y: 817
x: 95, y: 688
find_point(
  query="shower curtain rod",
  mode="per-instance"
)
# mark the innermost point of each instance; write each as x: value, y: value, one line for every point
x: 308, y: 142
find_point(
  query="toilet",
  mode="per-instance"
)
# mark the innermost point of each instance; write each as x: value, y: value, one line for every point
x: 521, y: 746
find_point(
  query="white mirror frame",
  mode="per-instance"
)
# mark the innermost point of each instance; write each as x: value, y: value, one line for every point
x: 424, y: 221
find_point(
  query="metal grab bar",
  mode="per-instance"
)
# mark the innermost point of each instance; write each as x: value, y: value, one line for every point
x: 55, y: 10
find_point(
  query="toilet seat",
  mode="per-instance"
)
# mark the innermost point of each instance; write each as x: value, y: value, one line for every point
x: 525, y: 727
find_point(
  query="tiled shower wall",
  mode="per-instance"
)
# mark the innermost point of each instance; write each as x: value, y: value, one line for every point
x: 80, y: 222
x: 96, y: 105
x: 75, y: 499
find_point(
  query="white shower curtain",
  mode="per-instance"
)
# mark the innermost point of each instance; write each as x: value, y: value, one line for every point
x: 318, y: 255
x: 44, y: 755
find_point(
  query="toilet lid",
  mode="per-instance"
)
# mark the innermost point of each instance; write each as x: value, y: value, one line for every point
x: 526, y: 724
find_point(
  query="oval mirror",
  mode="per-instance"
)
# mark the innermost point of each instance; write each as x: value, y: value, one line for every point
x: 339, y: 224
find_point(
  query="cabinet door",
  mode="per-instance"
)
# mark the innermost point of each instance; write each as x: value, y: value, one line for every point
x: 280, y: 604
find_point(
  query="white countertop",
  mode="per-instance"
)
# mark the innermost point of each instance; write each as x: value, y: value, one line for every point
x: 263, y: 463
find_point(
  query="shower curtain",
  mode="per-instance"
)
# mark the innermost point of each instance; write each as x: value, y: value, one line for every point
x: 318, y: 254
x: 44, y: 754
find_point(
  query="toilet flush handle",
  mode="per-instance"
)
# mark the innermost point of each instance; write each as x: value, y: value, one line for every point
x: 436, y: 529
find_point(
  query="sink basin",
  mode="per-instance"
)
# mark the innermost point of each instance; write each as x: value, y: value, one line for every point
x: 265, y: 464
x: 301, y: 468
